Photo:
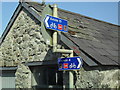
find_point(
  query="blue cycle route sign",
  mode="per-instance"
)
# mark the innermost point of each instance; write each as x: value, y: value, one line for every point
x: 54, y: 23
x: 71, y: 63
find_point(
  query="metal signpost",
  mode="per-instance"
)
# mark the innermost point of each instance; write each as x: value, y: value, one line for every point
x: 57, y: 24
x: 71, y: 63
x: 54, y: 23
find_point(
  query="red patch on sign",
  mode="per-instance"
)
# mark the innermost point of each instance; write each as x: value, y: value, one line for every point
x: 65, y: 65
x: 59, y: 26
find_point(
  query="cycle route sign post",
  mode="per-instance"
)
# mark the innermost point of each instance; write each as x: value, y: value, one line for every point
x: 57, y: 24
x: 71, y: 63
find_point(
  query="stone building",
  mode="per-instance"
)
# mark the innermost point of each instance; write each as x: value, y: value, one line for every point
x: 28, y: 61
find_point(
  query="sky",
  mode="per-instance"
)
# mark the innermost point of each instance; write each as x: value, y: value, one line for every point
x: 105, y: 11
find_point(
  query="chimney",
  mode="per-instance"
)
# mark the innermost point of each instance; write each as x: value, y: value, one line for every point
x: 25, y: 1
x: 43, y: 2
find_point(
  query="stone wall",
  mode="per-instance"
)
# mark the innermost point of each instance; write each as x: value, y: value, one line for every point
x: 23, y: 77
x: 97, y: 79
x: 24, y: 42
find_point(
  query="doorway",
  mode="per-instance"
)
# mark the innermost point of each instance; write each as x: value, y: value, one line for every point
x: 46, y: 77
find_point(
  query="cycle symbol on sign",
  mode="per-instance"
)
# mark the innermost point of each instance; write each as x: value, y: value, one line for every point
x: 72, y: 65
x: 53, y: 25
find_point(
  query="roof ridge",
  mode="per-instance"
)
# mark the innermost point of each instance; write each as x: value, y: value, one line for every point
x: 76, y: 14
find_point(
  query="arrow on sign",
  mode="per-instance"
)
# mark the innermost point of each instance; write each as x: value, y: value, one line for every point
x: 54, y: 23
x: 46, y: 21
x: 79, y: 62
x: 71, y: 63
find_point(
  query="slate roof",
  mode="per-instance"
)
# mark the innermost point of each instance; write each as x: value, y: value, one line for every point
x: 97, y: 39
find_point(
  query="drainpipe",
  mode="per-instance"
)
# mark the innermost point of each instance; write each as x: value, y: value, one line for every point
x: 71, y: 81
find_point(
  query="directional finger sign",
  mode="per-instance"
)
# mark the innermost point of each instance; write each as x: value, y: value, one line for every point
x: 71, y: 63
x: 54, y: 23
